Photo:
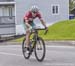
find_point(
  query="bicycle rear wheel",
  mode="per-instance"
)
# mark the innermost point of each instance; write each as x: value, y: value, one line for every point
x: 40, y: 49
x: 24, y: 49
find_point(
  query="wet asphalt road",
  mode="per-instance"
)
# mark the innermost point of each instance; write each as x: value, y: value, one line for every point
x: 11, y: 55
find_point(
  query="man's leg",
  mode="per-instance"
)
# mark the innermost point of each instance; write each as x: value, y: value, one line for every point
x: 27, y: 34
x: 27, y: 38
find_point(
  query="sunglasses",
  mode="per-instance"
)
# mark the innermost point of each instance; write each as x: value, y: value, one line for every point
x: 34, y: 12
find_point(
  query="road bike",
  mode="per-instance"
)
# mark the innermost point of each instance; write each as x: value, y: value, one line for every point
x: 36, y: 45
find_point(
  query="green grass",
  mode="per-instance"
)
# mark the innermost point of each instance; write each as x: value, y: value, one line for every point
x: 63, y: 30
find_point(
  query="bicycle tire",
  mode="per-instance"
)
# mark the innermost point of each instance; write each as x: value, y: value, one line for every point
x: 23, y: 50
x: 44, y: 51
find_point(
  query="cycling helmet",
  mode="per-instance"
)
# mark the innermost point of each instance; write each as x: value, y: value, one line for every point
x: 34, y: 8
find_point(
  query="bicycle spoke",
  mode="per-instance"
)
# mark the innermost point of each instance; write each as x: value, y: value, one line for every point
x: 40, y: 50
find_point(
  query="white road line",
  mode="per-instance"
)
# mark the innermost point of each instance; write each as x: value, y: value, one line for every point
x: 47, y: 46
x: 10, y: 45
x: 11, y: 54
x: 14, y: 49
x: 59, y: 64
x: 61, y: 46
x: 4, y: 53
x: 19, y: 46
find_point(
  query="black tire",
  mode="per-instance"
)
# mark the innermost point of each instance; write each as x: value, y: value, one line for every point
x: 23, y: 50
x: 44, y: 50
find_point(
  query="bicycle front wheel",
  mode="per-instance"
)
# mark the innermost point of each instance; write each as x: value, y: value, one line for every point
x: 26, y: 55
x: 40, y: 49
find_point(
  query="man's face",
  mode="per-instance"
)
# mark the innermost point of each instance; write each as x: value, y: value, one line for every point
x: 34, y: 14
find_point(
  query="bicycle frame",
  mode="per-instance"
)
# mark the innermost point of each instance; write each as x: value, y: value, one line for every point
x: 35, y: 37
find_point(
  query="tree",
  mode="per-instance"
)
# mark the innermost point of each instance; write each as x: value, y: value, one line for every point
x: 71, y: 5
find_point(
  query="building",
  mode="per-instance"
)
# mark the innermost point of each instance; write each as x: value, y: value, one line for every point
x: 13, y: 12
x: 7, y: 17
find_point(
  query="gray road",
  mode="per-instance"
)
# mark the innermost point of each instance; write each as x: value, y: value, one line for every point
x: 11, y: 55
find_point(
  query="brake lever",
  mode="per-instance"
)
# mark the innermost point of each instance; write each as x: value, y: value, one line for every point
x: 45, y: 32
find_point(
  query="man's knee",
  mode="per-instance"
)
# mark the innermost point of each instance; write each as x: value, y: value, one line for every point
x: 27, y: 31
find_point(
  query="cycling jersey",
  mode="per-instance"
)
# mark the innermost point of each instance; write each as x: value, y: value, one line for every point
x: 30, y: 16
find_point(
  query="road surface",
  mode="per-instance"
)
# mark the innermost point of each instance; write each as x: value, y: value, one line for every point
x: 11, y: 55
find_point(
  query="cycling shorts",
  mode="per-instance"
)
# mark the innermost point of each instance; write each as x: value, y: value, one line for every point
x: 32, y: 24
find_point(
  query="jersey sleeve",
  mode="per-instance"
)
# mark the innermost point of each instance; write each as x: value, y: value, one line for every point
x: 26, y: 17
x: 39, y: 15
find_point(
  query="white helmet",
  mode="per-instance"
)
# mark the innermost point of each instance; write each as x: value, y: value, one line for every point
x: 34, y: 8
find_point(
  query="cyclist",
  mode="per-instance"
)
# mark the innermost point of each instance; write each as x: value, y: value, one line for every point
x: 29, y: 24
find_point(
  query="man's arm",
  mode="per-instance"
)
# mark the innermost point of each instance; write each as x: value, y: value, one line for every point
x: 28, y: 25
x: 44, y: 23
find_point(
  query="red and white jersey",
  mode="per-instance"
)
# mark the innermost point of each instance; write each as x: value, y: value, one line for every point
x: 30, y: 16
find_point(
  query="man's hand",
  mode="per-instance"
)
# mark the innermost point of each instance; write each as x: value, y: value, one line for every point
x: 30, y: 28
x: 46, y: 28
